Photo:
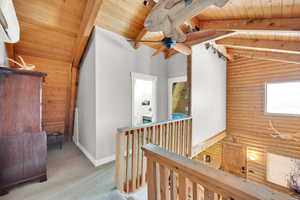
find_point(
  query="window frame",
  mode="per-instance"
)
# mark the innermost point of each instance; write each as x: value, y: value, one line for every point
x: 266, y: 98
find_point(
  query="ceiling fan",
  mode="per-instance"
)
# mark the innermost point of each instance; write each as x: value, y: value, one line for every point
x: 167, y: 15
x: 182, y: 47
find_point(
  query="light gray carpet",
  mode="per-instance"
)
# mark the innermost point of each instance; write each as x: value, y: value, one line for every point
x: 71, y: 176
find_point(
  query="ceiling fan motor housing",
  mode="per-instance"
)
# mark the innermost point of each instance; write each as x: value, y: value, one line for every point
x: 168, y: 42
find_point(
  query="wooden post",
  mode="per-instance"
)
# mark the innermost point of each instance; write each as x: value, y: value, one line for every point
x: 190, y: 134
x: 195, y: 192
x: 73, y: 97
x: 133, y: 160
x: 127, y: 161
x: 120, y: 161
x: 144, y: 160
x: 151, y: 175
x: 182, y: 187
x: 138, y: 158
x: 173, y: 185
x: 208, y: 195
x: 164, y: 183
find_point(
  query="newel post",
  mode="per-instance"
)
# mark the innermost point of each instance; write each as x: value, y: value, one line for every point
x: 151, y: 177
x: 120, y: 160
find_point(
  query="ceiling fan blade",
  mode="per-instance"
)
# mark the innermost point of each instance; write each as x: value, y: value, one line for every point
x: 183, y: 48
x: 160, y: 49
x: 199, y: 35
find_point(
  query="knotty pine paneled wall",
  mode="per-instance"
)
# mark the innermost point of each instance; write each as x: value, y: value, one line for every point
x: 48, y: 33
x: 246, y: 122
x: 55, y: 91
x: 215, y: 152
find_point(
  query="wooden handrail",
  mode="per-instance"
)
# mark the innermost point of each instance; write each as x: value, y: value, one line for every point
x: 130, y: 128
x: 172, y: 135
x: 171, y: 176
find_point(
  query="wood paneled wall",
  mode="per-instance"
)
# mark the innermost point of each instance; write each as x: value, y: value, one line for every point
x: 215, y: 152
x: 55, y: 90
x: 48, y: 33
x: 246, y: 122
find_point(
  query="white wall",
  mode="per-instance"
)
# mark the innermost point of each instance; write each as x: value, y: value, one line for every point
x: 208, y: 94
x: 104, y: 97
x: 86, y: 101
x: 177, y: 65
x: 3, y: 55
x: 113, y: 59
x: 159, y: 69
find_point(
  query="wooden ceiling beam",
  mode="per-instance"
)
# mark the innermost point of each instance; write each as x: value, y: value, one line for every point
x: 265, y: 55
x: 277, y: 24
x: 194, y: 22
x: 274, y: 45
x: 86, y: 26
x: 217, y: 36
x: 222, y: 49
x: 140, y: 36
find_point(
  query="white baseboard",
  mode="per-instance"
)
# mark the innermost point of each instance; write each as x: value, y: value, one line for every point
x: 105, y: 160
x: 95, y: 162
x: 75, y: 140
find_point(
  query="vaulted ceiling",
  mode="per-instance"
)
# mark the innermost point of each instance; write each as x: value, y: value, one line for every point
x: 55, y: 24
x: 126, y: 18
x: 48, y: 27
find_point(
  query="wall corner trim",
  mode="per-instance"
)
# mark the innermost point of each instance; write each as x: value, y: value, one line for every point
x: 94, y: 161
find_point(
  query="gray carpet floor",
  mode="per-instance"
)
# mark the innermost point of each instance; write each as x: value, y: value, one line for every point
x: 71, y: 176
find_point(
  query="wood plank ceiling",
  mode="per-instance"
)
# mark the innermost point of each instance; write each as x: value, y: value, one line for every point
x: 48, y: 31
x: 254, y: 9
x: 121, y: 17
x: 51, y: 30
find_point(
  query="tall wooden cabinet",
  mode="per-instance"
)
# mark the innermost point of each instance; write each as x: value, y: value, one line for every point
x: 23, y: 144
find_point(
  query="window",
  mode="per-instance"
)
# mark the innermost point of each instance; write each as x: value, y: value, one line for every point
x: 283, y: 98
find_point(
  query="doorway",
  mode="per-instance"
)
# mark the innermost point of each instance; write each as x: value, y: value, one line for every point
x: 144, y: 90
x: 234, y: 159
x: 178, y: 97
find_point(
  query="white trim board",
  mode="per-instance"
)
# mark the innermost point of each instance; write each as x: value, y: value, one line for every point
x: 76, y: 129
x: 95, y: 162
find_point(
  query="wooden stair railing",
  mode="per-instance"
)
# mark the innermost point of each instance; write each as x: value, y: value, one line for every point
x: 174, y: 177
x: 172, y: 135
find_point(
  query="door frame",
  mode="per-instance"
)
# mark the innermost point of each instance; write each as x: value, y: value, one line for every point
x: 134, y: 77
x: 172, y: 80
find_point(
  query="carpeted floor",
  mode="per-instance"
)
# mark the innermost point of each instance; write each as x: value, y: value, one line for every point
x: 71, y: 176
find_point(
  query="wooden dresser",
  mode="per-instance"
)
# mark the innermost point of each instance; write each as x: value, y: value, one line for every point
x: 23, y: 148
